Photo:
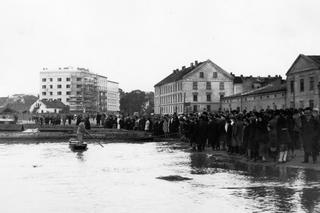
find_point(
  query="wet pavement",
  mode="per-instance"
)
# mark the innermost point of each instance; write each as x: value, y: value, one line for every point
x: 147, y: 177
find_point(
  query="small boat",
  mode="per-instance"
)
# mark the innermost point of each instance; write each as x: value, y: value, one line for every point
x: 77, y: 146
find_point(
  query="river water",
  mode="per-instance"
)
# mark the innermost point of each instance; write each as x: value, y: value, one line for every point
x: 122, y: 177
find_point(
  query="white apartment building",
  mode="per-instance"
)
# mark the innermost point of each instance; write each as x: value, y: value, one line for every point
x: 78, y: 88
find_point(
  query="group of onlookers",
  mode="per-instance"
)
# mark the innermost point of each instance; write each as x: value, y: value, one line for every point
x: 257, y: 135
x: 274, y: 134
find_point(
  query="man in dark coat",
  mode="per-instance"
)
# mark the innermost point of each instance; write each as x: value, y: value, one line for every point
x: 309, y: 133
x: 213, y: 133
x: 202, y: 133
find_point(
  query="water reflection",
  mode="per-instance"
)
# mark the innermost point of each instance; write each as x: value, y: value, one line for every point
x: 123, y: 177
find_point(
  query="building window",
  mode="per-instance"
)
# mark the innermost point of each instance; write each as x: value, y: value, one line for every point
x: 68, y: 99
x: 44, y: 93
x: 78, y: 93
x: 311, y: 83
x: 195, y: 97
x: 59, y: 86
x: 195, y: 85
x: 51, y: 93
x: 59, y: 99
x: 68, y: 93
x: 201, y: 75
x: 68, y: 79
x: 292, y: 86
x: 44, y: 80
x: 78, y: 79
x: 195, y: 108
x: 68, y: 86
x: 301, y: 104
x: 221, y: 85
x: 51, y: 86
x: 208, y: 108
x: 59, y: 79
x: 58, y: 93
x: 291, y: 104
x: 50, y: 79
x: 79, y: 85
x: 302, y: 85
x: 208, y: 97
x: 311, y: 104
x: 208, y: 85
x: 215, y: 75
x: 44, y: 86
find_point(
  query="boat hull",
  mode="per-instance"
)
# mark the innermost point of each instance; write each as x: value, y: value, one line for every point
x: 76, y: 146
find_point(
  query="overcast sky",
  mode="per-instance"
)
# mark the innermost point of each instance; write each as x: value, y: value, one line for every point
x: 139, y: 42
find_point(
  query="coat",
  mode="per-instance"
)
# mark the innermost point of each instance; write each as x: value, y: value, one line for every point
x: 310, y: 134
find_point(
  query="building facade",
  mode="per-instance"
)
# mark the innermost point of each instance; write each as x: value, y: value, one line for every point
x: 271, y: 96
x: 113, y: 97
x: 303, y: 82
x: 78, y: 88
x: 193, y: 89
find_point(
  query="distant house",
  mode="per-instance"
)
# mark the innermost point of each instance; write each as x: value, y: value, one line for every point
x: 271, y: 96
x: 47, y: 106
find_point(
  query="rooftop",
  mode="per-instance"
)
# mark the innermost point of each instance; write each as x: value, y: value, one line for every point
x: 54, y: 104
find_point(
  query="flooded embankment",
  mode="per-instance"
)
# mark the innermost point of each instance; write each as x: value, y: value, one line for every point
x: 147, y: 177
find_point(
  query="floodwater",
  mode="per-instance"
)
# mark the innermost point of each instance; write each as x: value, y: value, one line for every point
x: 122, y: 177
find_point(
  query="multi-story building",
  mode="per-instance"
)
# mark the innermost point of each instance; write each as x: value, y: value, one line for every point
x: 113, y: 97
x: 272, y: 96
x: 193, y: 89
x: 78, y: 88
x: 303, y: 88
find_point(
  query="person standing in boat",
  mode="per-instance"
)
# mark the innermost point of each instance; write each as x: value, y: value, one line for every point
x: 81, y: 131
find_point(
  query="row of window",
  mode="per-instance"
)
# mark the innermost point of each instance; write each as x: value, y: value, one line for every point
x: 171, y: 109
x: 59, y: 86
x: 195, y: 97
x: 58, y: 79
x: 60, y: 93
x: 208, y: 85
x: 170, y: 88
x: 214, y: 75
x: 302, y: 105
x: 252, y: 98
x: 302, y: 86
x: 169, y: 99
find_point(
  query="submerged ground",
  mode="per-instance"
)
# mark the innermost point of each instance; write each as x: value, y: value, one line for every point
x: 147, y: 177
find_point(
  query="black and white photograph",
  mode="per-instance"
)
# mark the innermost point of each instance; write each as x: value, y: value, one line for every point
x: 149, y: 106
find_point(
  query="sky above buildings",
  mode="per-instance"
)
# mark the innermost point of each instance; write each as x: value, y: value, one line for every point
x: 139, y: 42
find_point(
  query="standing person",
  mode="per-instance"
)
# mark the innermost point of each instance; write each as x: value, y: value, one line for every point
x: 202, y: 132
x: 262, y: 137
x: 98, y: 119
x: 309, y: 133
x: 87, y: 123
x: 283, y: 137
x: 81, y: 131
x: 165, y: 126
x: 273, y: 136
x: 213, y: 133
x: 147, y: 125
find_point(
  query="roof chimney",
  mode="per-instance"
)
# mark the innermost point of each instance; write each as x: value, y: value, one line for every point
x: 191, y: 65
x: 196, y: 62
x: 183, y: 67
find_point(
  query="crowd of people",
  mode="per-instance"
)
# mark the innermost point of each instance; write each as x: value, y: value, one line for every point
x: 271, y: 134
